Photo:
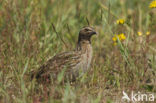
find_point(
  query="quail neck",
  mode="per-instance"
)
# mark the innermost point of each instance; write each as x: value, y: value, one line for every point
x: 85, y: 47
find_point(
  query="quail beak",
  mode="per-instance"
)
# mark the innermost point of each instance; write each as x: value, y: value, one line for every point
x: 93, y: 33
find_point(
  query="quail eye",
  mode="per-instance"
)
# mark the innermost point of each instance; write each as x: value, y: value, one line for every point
x: 86, y: 29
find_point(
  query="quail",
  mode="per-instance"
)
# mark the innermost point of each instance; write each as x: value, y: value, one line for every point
x: 73, y: 64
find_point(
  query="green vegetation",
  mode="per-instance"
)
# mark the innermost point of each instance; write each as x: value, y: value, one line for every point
x: 28, y: 39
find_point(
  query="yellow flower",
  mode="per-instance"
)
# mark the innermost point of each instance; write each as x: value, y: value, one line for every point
x: 148, y: 33
x: 114, y: 39
x: 139, y: 33
x: 120, y: 21
x: 122, y: 36
x: 152, y: 4
x: 115, y: 43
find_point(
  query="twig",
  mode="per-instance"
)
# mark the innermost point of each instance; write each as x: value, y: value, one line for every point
x: 59, y: 35
x: 101, y: 14
x: 109, y: 12
x: 68, y: 28
x: 87, y: 21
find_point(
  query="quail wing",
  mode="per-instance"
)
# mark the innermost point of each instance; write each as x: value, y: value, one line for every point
x: 67, y: 60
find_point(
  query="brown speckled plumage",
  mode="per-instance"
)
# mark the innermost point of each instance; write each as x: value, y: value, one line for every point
x: 73, y: 62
